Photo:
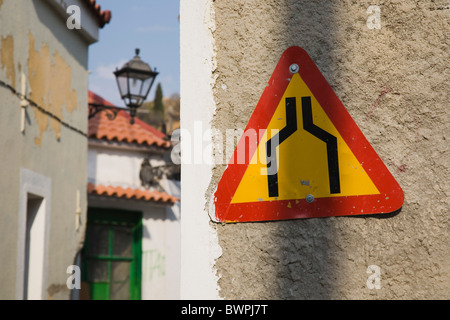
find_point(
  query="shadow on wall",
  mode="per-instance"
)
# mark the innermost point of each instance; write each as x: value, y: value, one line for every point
x: 306, y: 248
x: 296, y: 259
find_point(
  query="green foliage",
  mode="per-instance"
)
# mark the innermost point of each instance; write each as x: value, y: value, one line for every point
x: 166, y: 117
x: 158, y: 102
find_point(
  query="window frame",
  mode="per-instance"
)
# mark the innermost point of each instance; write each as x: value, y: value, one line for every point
x: 113, y: 218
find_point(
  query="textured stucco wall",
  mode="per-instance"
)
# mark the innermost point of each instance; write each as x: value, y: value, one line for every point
x: 394, y: 83
x: 35, y: 42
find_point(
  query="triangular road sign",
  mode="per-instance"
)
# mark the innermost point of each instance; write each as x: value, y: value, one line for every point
x: 302, y: 155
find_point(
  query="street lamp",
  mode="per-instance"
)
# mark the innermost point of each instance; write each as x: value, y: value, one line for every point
x: 135, y: 79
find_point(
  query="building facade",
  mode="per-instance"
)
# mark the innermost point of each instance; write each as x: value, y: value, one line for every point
x: 43, y: 129
x: 132, y: 248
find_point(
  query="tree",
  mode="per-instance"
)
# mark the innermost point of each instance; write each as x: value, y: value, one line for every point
x: 158, y: 103
x: 165, y: 118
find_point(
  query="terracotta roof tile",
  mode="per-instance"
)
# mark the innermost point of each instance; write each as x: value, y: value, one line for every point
x: 131, y: 194
x: 95, y: 98
x: 120, y: 129
x: 103, y: 16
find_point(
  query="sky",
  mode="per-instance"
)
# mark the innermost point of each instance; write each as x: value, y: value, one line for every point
x: 150, y: 25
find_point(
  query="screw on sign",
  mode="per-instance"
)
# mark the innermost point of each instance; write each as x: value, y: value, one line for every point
x: 317, y: 162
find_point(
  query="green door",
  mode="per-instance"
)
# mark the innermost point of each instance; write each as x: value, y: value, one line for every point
x: 112, y: 255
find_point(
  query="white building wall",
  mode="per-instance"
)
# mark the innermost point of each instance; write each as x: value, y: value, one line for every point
x: 154, y: 255
x: 160, y: 277
x: 199, y: 240
x: 173, y: 241
x: 116, y: 167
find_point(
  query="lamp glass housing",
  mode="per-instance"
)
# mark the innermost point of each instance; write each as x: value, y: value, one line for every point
x: 135, y: 79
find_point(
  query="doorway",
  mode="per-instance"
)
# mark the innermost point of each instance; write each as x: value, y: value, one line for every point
x: 112, y: 254
x: 34, y: 248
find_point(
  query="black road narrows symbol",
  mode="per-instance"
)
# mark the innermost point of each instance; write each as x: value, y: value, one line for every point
x: 310, y: 127
x: 286, y: 132
x: 329, y: 139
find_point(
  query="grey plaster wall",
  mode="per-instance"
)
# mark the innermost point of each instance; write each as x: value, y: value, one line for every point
x: 394, y: 83
x: 35, y: 41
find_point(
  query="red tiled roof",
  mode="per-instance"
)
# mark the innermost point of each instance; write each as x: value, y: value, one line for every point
x: 120, y: 129
x: 95, y: 98
x: 103, y: 16
x: 131, y: 194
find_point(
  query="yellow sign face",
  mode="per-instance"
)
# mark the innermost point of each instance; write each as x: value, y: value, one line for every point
x: 311, y: 157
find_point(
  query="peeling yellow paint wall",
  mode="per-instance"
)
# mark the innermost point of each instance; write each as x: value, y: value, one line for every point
x: 7, y: 58
x: 44, y: 60
x: 50, y: 79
